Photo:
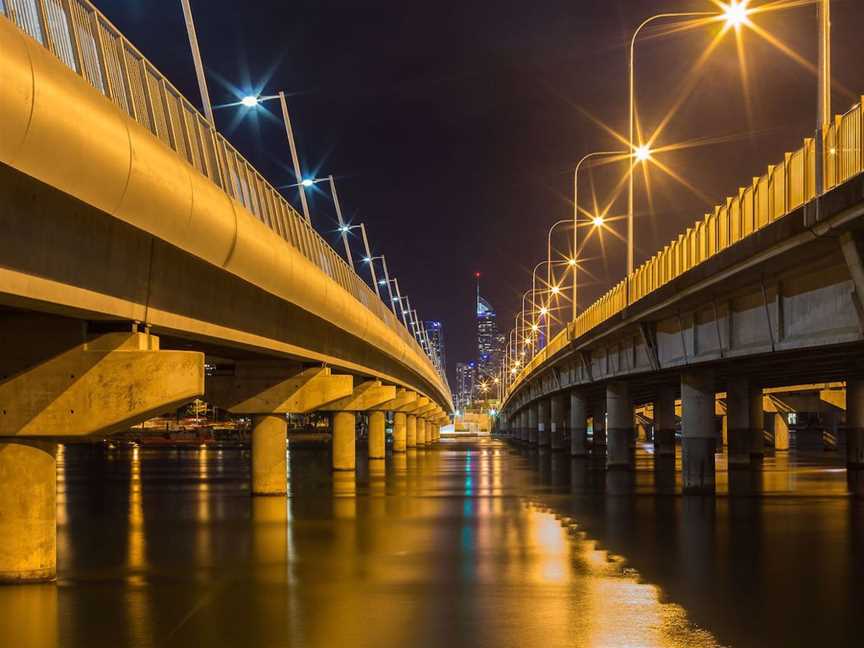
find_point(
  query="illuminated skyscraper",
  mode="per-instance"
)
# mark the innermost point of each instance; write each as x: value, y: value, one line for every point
x: 466, y: 378
x: 435, y: 330
x: 490, y: 343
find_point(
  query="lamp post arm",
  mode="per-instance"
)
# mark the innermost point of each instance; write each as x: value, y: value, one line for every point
x: 342, y: 227
x: 295, y: 159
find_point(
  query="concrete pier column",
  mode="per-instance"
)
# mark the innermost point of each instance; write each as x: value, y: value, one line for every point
x: 28, y: 511
x: 421, y: 432
x: 269, y: 454
x: 411, y: 431
x: 532, y: 423
x: 619, y: 433
x: 523, y: 425
x: 697, y: 427
x: 556, y: 422
x: 664, y: 421
x: 344, y: 431
x: 376, y: 435
x: 780, y: 426
x: 744, y: 421
x: 855, y: 423
x: 544, y: 415
x: 578, y: 424
x: 598, y: 426
x: 399, y: 431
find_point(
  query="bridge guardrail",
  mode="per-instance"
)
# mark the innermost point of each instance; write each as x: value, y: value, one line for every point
x: 786, y: 186
x: 89, y: 44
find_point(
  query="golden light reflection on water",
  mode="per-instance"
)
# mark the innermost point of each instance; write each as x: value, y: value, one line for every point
x: 611, y: 607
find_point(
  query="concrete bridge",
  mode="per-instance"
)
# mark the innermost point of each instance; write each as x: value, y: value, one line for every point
x: 765, y: 292
x: 140, y: 248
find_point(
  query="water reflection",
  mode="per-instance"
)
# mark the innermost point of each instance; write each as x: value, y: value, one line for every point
x: 471, y: 543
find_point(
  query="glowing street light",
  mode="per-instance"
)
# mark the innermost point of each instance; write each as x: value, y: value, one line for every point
x: 642, y: 153
x: 556, y: 290
x: 598, y: 221
x: 585, y: 158
x: 736, y: 13
x: 249, y: 101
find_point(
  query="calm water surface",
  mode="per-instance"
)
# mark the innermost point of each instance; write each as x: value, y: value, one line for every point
x: 471, y: 544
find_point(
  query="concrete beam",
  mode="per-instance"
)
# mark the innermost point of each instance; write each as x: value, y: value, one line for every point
x: 365, y: 396
x: 403, y: 397
x: 277, y: 388
x: 412, y: 408
x: 425, y: 411
x: 98, y: 387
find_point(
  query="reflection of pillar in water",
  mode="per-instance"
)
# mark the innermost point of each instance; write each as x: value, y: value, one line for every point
x: 344, y: 495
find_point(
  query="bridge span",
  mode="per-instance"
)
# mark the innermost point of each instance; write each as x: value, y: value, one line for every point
x: 140, y: 247
x: 764, y: 292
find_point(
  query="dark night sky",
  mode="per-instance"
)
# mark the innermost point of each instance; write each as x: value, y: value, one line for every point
x: 453, y: 127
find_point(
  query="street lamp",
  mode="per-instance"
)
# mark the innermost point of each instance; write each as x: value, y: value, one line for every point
x: 253, y: 101
x: 735, y: 14
x: 597, y: 221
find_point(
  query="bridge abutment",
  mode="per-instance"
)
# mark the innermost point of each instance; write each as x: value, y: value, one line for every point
x: 578, y: 424
x: 697, y: 426
x: 620, y: 450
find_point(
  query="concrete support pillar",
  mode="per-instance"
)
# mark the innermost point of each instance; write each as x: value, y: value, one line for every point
x: 744, y: 420
x: 427, y: 432
x: 578, y: 424
x: 697, y: 427
x: 344, y: 430
x: 664, y: 421
x: 411, y: 431
x: 781, y: 431
x: 544, y: 416
x: 598, y: 424
x: 523, y: 425
x: 421, y: 432
x: 376, y: 435
x: 399, y: 425
x: 532, y: 424
x: 28, y: 511
x: 556, y: 423
x: 855, y: 423
x: 619, y: 433
x: 269, y: 454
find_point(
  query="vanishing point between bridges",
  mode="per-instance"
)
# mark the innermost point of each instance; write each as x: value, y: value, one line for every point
x: 277, y: 367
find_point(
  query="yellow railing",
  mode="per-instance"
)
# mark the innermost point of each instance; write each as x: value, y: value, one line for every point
x: 86, y: 42
x: 785, y: 187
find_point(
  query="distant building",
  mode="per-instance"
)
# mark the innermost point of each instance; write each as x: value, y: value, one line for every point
x: 490, y: 342
x: 466, y: 379
x: 435, y: 330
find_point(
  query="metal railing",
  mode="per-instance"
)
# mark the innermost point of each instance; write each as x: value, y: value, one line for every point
x: 784, y: 188
x: 89, y: 44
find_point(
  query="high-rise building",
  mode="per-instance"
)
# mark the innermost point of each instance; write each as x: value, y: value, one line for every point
x: 435, y: 331
x: 466, y: 378
x: 490, y: 342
